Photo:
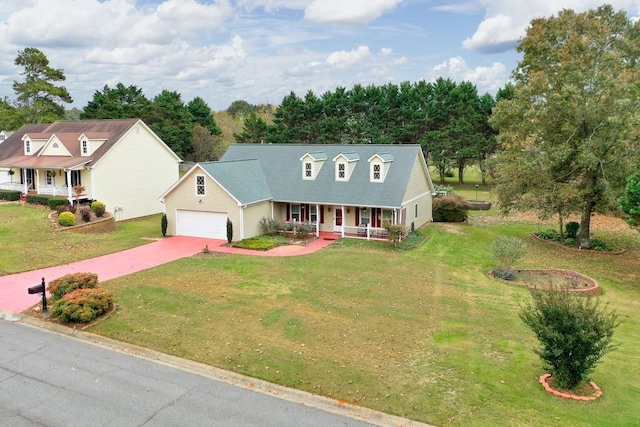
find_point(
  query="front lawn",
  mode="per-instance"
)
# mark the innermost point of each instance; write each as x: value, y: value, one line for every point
x: 420, y: 333
x: 29, y: 241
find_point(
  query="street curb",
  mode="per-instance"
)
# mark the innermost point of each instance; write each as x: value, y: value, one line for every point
x: 292, y: 395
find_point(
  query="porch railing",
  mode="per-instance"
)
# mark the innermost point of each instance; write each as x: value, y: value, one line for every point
x: 365, y: 232
x: 53, y: 190
x: 11, y: 186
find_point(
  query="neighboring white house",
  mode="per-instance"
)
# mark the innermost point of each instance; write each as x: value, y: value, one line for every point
x: 346, y: 189
x: 122, y: 163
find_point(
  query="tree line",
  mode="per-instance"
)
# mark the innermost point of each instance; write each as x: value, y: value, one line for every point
x: 448, y: 119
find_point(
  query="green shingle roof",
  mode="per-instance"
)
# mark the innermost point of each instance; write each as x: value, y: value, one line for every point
x: 244, y: 179
x: 283, y: 173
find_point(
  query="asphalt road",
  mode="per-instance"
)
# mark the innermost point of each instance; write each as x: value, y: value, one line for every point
x: 50, y: 379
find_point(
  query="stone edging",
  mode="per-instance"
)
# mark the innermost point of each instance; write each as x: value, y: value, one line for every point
x: 594, y: 290
x: 569, y: 248
x: 547, y: 387
x: 100, y: 225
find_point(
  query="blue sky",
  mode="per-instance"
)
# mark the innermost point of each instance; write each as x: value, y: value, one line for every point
x: 260, y: 50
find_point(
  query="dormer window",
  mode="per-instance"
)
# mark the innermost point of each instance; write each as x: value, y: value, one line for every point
x: 345, y: 164
x: 311, y: 164
x: 85, y: 147
x: 27, y: 147
x: 379, y: 165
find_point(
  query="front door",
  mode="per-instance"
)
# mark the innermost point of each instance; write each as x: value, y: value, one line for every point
x: 337, y: 220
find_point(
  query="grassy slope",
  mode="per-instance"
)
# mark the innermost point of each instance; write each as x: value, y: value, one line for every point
x: 423, y: 334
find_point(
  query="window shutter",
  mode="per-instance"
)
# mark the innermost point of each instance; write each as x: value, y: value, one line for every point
x: 288, y: 212
x: 357, y: 217
x: 322, y: 214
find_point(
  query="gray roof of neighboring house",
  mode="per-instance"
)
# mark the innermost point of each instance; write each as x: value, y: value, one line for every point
x: 283, y: 172
x: 244, y: 179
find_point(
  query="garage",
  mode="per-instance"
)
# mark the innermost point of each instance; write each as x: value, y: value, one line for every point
x: 211, y: 225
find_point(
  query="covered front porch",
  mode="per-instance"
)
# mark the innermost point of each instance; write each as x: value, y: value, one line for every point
x: 361, y: 222
x: 65, y: 183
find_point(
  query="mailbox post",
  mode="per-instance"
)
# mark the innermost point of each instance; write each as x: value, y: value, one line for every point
x: 40, y: 289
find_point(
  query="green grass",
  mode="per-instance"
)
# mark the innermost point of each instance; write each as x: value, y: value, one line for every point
x: 420, y: 333
x: 29, y: 241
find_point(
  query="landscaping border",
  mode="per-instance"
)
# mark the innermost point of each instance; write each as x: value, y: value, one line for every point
x: 106, y: 224
x: 547, y: 387
x: 593, y: 290
x: 569, y: 248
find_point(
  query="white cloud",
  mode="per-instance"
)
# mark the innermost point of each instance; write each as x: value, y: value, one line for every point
x: 506, y: 21
x: 348, y: 12
x: 386, y: 51
x: 486, y: 79
x: 345, y: 59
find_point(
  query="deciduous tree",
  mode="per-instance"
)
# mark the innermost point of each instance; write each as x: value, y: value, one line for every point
x: 574, y: 111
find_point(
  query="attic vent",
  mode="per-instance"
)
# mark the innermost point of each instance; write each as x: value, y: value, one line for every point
x: 55, y: 145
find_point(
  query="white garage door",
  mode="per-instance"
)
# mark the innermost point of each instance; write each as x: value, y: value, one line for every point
x: 212, y: 225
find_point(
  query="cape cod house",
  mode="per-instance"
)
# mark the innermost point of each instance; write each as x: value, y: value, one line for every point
x: 345, y: 189
x: 122, y: 163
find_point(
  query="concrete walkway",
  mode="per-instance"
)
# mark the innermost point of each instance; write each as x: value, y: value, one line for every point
x: 13, y: 288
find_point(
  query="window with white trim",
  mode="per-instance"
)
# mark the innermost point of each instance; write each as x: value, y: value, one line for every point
x: 308, y: 170
x: 341, y: 171
x: 313, y: 214
x: 295, y: 212
x: 200, y: 185
x: 50, y: 178
x: 27, y: 147
x: 85, y: 147
x: 377, y: 176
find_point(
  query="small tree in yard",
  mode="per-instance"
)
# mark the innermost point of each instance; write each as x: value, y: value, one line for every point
x: 573, y: 331
x: 395, y: 232
x: 507, y: 251
x: 229, y: 230
x: 163, y: 224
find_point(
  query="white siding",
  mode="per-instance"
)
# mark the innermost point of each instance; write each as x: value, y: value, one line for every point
x: 133, y: 174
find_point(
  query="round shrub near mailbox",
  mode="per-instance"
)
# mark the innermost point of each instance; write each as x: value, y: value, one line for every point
x: 83, y: 305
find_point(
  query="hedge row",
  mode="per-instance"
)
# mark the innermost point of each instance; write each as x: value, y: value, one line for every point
x: 10, y: 195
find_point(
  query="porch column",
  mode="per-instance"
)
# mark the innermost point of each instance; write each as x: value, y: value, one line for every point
x: 343, y: 220
x: 25, y: 189
x: 317, y: 220
x: 37, y: 178
x: 69, y: 196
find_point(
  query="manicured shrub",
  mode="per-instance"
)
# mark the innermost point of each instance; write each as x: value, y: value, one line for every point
x: 67, y: 219
x: 506, y: 251
x: 269, y: 226
x: 70, y: 282
x: 54, y: 202
x: 83, y: 305
x: 549, y: 234
x: 504, y: 274
x: 571, y: 230
x: 599, y: 245
x: 164, y: 224
x: 85, y: 213
x: 573, y: 331
x: 303, y: 229
x: 98, y: 208
x: 10, y: 195
x: 62, y: 208
x: 450, y: 209
x: 37, y: 199
x: 229, y: 231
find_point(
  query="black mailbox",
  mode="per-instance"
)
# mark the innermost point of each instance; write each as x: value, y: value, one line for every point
x: 36, y: 289
x: 40, y: 289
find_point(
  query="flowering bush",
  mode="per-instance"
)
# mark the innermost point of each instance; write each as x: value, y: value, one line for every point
x: 83, y: 305
x: 69, y: 283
